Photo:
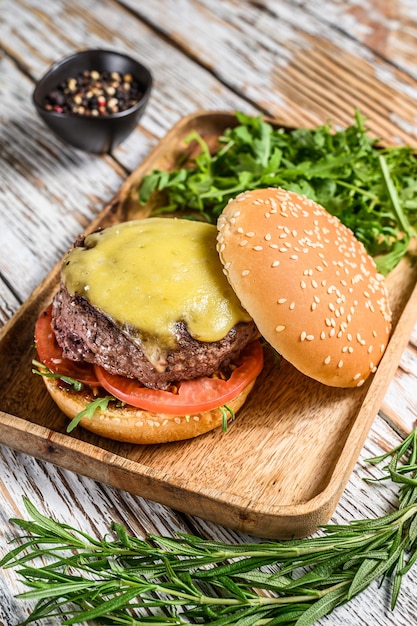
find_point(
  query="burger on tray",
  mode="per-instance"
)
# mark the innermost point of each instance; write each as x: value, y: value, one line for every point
x: 154, y: 333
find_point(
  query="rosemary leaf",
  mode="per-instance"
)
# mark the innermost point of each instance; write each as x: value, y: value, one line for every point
x: 185, y: 579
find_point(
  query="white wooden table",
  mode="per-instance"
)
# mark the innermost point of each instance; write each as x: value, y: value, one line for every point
x: 300, y: 62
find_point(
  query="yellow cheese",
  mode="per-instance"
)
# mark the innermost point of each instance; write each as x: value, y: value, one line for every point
x: 146, y: 275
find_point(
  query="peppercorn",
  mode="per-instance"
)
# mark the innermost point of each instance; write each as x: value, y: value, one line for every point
x: 94, y: 93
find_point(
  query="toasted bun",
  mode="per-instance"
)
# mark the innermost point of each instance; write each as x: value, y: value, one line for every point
x: 308, y: 283
x: 132, y: 425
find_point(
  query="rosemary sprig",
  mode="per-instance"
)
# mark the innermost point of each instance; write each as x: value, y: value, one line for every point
x: 187, y: 579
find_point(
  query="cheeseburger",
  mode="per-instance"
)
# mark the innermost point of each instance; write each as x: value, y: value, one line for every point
x: 147, y: 322
x: 159, y: 319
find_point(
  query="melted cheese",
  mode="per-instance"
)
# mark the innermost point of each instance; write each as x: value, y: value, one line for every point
x: 146, y: 275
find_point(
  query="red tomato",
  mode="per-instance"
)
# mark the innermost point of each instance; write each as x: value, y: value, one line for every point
x: 50, y: 354
x: 194, y: 396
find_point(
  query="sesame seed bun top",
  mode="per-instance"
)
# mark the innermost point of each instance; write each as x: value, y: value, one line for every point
x: 308, y: 283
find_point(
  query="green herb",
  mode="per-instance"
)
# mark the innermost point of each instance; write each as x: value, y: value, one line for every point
x: 227, y: 415
x: 41, y: 370
x: 186, y: 579
x: 100, y: 403
x: 371, y: 189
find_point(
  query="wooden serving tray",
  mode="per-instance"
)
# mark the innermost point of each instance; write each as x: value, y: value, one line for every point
x: 280, y: 469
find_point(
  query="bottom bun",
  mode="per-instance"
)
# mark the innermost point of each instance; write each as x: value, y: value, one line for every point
x: 132, y: 425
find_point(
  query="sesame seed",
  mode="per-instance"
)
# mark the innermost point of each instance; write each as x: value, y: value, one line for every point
x: 282, y: 300
x: 303, y: 335
x: 310, y: 337
x: 327, y: 360
x: 257, y: 248
x: 274, y: 263
x: 340, y: 364
x: 243, y: 242
x: 245, y: 272
x: 267, y: 237
x: 279, y: 329
x: 294, y: 257
x: 292, y: 306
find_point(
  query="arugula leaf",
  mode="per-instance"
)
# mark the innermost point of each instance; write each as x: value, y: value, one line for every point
x: 100, y: 403
x: 42, y: 370
x: 371, y: 189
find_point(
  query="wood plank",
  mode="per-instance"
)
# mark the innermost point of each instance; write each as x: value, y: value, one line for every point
x: 305, y: 71
x: 8, y: 303
x: 387, y: 28
x: 399, y: 406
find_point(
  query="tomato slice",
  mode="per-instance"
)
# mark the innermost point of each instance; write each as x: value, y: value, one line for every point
x: 50, y: 353
x: 193, y: 396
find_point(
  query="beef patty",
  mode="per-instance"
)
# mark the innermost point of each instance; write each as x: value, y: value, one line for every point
x: 86, y: 334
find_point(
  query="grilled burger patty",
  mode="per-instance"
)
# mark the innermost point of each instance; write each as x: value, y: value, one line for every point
x: 85, y: 334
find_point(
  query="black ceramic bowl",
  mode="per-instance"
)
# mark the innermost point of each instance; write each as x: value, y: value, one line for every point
x: 93, y: 134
